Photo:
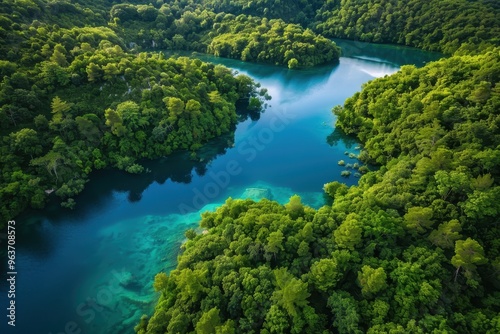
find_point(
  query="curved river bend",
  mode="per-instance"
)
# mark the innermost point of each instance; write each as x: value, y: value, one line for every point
x: 91, y: 270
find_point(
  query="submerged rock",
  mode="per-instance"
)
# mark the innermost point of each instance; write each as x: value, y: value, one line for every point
x: 257, y: 194
x: 133, y: 319
x: 140, y: 300
x: 124, y: 278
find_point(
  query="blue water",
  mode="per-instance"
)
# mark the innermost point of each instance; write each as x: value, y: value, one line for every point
x: 91, y: 270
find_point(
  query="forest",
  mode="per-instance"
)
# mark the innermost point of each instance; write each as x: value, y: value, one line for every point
x: 413, y: 248
x: 435, y: 25
x: 223, y: 34
x: 446, y: 26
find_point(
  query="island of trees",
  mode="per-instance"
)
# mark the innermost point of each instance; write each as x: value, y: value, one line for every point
x: 413, y: 248
x: 249, y: 38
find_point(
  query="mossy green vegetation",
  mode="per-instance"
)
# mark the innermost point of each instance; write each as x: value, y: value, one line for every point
x: 412, y: 248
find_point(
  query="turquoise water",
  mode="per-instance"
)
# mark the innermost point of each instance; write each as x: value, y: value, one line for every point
x: 91, y: 270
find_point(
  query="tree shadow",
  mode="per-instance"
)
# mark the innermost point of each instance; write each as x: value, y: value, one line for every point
x: 339, y: 136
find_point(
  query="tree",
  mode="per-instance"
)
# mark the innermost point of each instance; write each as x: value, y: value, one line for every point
x: 88, y: 129
x: 454, y: 182
x: 372, y: 280
x: 468, y: 254
x: 179, y: 42
x: 59, y: 109
x: 335, y: 188
x: 245, y: 85
x: 130, y: 113
x: 482, y: 182
x: 51, y: 161
x: 175, y: 107
x: 293, y: 63
x: 193, y: 108
x: 481, y: 93
x: 189, y: 282
x: 94, y: 72
x: 345, y: 312
x: 481, y: 204
x: 7, y: 68
x: 295, y: 207
x: 276, y: 320
x: 349, y: 233
x: 178, y: 323
x: 307, y: 232
x: 418, y: 219
x: 292, y: 293
x: 26, y: 141
x: 160, y: 281
x: 190, y: 234
x: 227, y: 328
x: 446, y: 234
x: 115, y: 121
x: 274, y: 244
x: 59, y: 56
x: 208, y: 321
x: 214, y: 97
x: 325, y: 274
x: 254, y: 103
x: 110, y: 71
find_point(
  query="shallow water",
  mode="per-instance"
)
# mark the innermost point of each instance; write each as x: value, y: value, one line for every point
x: 91, y: 270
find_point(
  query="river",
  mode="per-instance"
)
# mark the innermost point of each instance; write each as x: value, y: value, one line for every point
x: 90, y: 270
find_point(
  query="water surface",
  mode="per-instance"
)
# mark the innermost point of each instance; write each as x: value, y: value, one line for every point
x: 91, y: 270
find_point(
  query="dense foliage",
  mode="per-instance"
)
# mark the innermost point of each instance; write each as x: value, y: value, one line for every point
x: 226, y: 35
x: 434, y: 25
x: 414, y: 248
x: 273, y: 42
x: 73, y: 100
x: 295, y: 11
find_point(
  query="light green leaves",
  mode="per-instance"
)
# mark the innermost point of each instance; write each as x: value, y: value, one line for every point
x: 468, y: 254
x: 292, y: 292
x: 349, y: 233
x: 418, y: 219
x: 295, y: 206
x: 325, y: 274
x: 446, y: 234
x: 372, y: 280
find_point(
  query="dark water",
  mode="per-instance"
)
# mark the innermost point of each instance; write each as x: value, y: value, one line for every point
x: 91, y: 270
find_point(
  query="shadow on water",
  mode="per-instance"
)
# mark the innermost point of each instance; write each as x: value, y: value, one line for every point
x: 392, y: 54
x: 245, y: 113
x: 339, y: 136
